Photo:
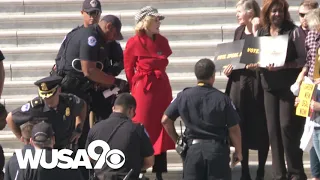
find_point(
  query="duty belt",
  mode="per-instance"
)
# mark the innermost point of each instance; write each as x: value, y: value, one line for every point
x: 196, y: 141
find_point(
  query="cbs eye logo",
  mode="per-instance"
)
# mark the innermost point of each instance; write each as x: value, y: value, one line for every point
x: 114, y: 158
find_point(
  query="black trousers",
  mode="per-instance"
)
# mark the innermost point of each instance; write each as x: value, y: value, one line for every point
x: 285, y: 130
x: 207, y: 161
x: 101, y: 106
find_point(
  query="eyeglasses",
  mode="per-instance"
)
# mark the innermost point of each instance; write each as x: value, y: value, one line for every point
x: 302, y: 14
x: 93, y: 13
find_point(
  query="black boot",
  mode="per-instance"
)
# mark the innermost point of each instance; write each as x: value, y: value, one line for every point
x: 159, y: 176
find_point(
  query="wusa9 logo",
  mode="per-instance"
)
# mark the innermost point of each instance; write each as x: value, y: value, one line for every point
x: 114, y: 158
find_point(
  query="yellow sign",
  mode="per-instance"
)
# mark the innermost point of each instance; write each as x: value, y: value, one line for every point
x: 305, y: 95
x: 229, y: 56
x: 316, y: 73
x: 68, y: 111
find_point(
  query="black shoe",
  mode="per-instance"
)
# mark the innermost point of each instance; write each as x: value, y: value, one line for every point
x: 245, y: 177
x: 259, y: 178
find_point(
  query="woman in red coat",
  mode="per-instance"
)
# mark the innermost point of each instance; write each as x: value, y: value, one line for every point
x: 145, y: 61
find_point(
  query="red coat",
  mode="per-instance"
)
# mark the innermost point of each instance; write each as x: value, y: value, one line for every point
x: 145, y: 62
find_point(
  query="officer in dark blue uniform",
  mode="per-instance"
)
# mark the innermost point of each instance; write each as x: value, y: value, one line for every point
x: 208, y: 115
x: 87, y: 48
x: 91, y: 11
x: 121, y: 133
x: 66, y: 113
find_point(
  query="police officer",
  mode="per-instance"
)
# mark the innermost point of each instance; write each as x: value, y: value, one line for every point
x: 91, y: 12
x: 121, y: 133
x: 88, y: 45
x: 66, y: 112
x: 42, y: 137
x: 208, y: 115
x: 12, y: 166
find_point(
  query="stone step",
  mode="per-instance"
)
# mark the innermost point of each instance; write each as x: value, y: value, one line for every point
x: 172, y: 155
x: 175, y: 165
x: 203, y: 48
x: 14, y: 101
x: 30, y: 70
x: 39, y: 6
x: 68, y: 20
x: 27, y: 37
x: 178, y: 82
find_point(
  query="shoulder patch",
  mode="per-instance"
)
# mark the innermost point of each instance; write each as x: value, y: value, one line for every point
x: 25, y: 107
x: 92, y: 41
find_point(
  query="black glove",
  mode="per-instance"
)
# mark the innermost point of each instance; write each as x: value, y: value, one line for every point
x: 121, y: 84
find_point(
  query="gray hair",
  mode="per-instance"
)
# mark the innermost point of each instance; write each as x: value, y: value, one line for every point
x: 313, y: 19
x: 250, y: 5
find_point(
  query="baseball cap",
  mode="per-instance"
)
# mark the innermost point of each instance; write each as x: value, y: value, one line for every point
x: 147, y: 11
x: 116, y: 23
x: 47, y: 86
x: 91, y: 5
x: 42, y: 132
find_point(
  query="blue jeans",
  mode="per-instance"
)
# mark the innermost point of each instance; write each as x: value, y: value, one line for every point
x: 315, y: 154
x: 314, y: 163
x: 316, y: 141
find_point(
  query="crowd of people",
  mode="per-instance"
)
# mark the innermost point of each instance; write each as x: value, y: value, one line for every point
x: 77, y: 104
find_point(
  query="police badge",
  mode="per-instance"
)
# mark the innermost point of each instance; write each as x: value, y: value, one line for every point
x: 67, y: 111
x: 93, y: 3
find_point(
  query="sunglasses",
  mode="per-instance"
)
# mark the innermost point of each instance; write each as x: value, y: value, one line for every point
x: 302, y: 14
x: 93, y: 13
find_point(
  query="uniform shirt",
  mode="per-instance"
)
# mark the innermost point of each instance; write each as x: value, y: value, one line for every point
x: 114, y: 62
x: 205, y: 111
x: 49, y: 174
x: 12, y: 166
x: 132, y: 139
x: 62, y: 119
x: 85, y: 44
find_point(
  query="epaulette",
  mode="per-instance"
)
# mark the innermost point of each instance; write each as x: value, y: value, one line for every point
x: 76, y: 28
x: 36, y: 102
x: 71, y: 98
x: 186, y: 88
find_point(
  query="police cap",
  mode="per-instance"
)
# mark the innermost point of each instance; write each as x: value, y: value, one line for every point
x: 91, y: 5
x: 115, y: 21
x: 48, y: 85
x: 42, y: 132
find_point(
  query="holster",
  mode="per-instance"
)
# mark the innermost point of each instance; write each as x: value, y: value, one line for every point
x: 182, y: 146
x: 73, y: 83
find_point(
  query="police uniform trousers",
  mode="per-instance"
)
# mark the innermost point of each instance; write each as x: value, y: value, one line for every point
x: 86, y: 126
x: 101, y: 106
x: 207, y: 160
x: 285, y: 130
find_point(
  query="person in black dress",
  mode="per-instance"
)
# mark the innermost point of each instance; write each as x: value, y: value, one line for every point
x: 284, y: 127
x: 245, y: 90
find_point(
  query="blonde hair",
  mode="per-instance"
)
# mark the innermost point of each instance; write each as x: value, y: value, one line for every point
x: 144, y: 24
x: 250, y: 5
x: 313, y: 19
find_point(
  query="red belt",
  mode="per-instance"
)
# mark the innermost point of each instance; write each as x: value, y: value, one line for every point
x: 145, y: 76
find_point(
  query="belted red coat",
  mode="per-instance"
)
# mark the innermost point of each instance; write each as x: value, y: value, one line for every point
x: 145, y: 62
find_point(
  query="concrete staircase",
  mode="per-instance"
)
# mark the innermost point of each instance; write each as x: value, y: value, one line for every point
x: 32, y: 30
